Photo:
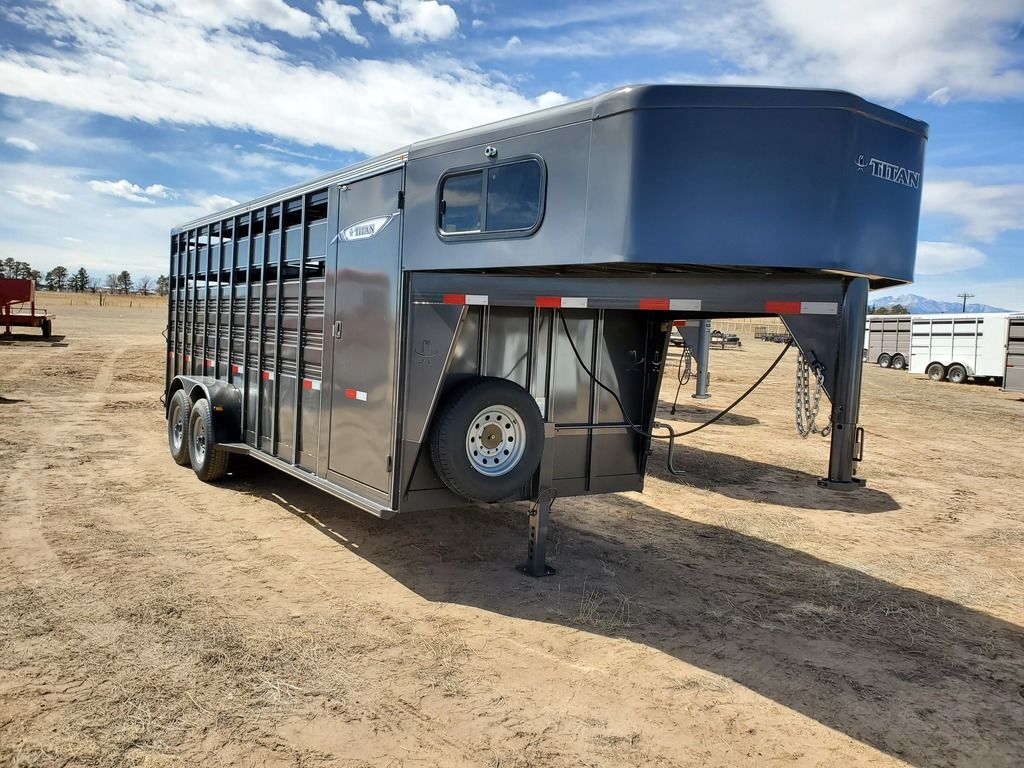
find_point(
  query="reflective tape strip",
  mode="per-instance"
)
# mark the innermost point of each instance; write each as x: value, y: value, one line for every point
x: 209, y: 363
x: 684, y: 305
x: 237, y: 369
x: 170, y: 354
x: 466, y: 298
x: 782, y: 307
x: 267, y: 375
x: 819, y: 308
x: 187, y: 358
x: 560, y: 302
x: 311, y: 384
x: 802, y: 307
x: 654, y: 304
x: 355, y: 394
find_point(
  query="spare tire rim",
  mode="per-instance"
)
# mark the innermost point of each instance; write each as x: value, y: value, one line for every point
x: 495, y: 440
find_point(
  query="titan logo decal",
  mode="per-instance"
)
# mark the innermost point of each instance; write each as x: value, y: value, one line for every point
x: 897, y: 174
x: 366, y: 229
x: 425, y: 353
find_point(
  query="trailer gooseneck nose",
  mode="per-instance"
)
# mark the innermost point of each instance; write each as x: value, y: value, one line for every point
x: 485, y: 316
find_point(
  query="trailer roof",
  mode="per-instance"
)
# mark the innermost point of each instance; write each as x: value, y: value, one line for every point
x: 624, y: 99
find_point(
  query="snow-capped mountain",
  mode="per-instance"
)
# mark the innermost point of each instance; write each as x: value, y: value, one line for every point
x: 919, y: 305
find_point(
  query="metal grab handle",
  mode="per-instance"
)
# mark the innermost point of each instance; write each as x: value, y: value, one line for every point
x: 858, y: 444
x: 337, y: 329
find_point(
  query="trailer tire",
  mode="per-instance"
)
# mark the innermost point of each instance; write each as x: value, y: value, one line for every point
x: 936, y: 372
x: 899, y: 362
x: 956, y: 374
x: 884, y: 360
x: 502, y: 420
x: 178, y: 413
x: 209, y: 461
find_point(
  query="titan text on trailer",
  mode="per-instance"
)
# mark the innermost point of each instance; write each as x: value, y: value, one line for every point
x: 485, y: 316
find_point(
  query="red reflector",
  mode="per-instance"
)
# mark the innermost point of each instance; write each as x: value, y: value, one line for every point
x: 350, y: 394
x: 679, y: 323
x: 654, y: 304
x: 307, y: 384
x: 265, y: 375
x: 549, y: 301
x: 782, y: 307
x: 453, y: 298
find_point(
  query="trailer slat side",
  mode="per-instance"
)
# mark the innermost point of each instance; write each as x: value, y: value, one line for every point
x: 275, y: 406
x: 246, y: 373
x: 258, y: 381
x: 300, y: 335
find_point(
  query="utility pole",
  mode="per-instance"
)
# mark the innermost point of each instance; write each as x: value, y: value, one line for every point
x: 965, y: 296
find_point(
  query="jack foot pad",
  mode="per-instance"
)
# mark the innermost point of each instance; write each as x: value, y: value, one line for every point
x: 526, y: 568
x: 841, y: 485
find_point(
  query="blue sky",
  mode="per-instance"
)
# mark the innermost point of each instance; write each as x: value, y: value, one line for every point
x: 119, y: 120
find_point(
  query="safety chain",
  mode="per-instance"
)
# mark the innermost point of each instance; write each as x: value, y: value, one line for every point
x: 808, y: 398
x: 686, y: 365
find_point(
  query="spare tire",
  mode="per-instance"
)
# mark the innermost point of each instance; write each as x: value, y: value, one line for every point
x: 486, y: 439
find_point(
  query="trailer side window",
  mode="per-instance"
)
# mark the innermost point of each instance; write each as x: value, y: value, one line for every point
x: 501, y: 199
x: 462, y: 203
x: 513, y: 196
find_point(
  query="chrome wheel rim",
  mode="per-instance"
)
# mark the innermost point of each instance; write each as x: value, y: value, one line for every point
x: 199, y: 441
x: 177, y: 427
x: 495, y: 441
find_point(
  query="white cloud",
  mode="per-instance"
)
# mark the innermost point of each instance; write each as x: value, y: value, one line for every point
x: 892, y: 51
x: 37, y: 197
x: 20, y: 143
x: 272, y: 14
x: 940, y: 258
x: 339, y: 18
x: 214, y: 203
x: 129, y: 191
x: 111, y: 69
x: 414, y: 21
x: 987, y: 210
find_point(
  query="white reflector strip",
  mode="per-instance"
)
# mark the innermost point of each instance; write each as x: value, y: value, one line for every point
x: 818, y: 308
x: 574, y: 302
x: 360, y: 395
x: 685, y: 305
x: 476, y: 299
x: 237, y: 369
x: 311, y: 384
x: 268, y: 375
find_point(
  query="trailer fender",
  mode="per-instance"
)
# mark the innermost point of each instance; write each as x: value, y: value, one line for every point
x: 225, y: 404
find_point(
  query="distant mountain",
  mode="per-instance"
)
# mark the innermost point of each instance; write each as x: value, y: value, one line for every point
x: 919, y: 305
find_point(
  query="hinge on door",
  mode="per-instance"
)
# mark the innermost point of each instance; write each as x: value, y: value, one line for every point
x: 388, y: 463
x: 401, y: 199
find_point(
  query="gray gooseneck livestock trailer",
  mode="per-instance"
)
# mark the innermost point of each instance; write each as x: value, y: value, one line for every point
x: 485, y: 316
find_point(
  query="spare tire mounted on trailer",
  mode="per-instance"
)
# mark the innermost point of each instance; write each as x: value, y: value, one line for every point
x: 486, y: 439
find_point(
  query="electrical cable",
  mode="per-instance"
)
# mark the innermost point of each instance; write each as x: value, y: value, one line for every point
x: 672, y: 434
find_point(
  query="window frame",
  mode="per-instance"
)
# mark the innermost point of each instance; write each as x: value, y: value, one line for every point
x: 483, y: 168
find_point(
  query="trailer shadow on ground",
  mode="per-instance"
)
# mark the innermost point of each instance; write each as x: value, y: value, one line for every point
x: 741, y: 478
x: 31, y: 339
x: 693, y: 414
x: 919, y: 677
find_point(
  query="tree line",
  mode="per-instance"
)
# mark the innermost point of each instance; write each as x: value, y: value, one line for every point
x: 60, y: 278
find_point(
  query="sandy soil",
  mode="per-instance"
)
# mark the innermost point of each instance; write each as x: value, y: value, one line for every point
x: 737, y: 616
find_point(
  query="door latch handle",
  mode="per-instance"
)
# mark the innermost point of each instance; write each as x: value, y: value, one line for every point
x: 337, y: 329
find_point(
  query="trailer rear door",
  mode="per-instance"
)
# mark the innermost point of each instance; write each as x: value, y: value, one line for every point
x: 366, y: 292
x: 1013, y: 381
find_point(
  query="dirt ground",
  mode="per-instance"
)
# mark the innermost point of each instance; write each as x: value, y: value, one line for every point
x: 737, y: 616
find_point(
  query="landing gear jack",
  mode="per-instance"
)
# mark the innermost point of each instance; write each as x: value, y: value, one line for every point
x: 537, y: 545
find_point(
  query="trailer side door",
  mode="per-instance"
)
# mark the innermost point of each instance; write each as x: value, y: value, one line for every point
x: 363, y: 331
x: 1013, y: 379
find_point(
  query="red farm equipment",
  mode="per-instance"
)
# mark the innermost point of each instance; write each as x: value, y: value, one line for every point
x: 21, y: 292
